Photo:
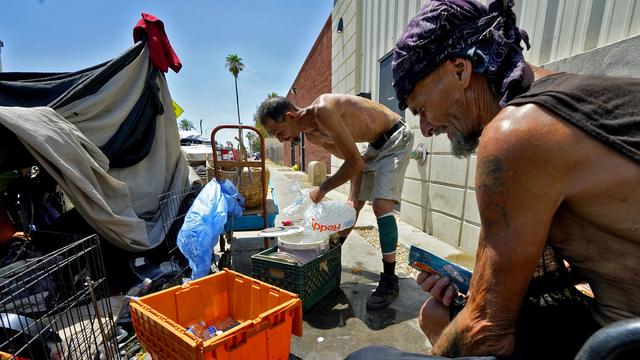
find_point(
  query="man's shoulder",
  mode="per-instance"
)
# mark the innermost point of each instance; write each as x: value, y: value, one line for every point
x: 337, y: 100
x: 525, y: 124
x: 529, y: 136
x: 334, y: 105
x: 325, y: 103
x: 327, y: 99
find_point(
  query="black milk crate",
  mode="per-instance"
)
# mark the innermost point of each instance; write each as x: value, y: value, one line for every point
x: 311, y: 281
x: 57, y: 306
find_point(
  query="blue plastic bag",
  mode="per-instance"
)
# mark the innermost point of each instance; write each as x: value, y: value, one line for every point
x: 204, y: 222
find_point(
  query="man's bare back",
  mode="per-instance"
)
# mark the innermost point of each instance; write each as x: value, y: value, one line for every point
x: 365, y: 120
x: 597, y: 225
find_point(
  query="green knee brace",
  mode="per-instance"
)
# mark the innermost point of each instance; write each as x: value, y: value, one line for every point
x: 388, y: 230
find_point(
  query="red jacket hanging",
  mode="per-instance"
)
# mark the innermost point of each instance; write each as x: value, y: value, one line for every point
x: 162, y: 55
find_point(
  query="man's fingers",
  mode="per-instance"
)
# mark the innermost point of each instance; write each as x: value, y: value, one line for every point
x: 315, y: 196
x: 422, y: 277
x: 448, y: 296
x: 439, y: 288
x: 428, y: 283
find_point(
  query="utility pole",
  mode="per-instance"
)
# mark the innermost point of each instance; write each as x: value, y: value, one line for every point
x: 294, y: 91
x: 302, y: 167
x: 1, y: 46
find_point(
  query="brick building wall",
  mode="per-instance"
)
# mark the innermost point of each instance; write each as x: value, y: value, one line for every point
x: 313, y: 80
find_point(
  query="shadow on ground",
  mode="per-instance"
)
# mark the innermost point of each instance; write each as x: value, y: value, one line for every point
x: 350, y: 301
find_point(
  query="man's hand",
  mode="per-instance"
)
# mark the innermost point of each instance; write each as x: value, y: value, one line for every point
x: 317, y: 195
x: 438, y: 286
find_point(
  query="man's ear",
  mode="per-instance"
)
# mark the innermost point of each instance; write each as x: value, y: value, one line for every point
x: 290, y: 115
x: 265, y: 123
x: 461, y: 69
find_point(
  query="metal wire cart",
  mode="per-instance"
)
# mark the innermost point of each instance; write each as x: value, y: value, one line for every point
x: 57, y: 306
x: 175, y: 205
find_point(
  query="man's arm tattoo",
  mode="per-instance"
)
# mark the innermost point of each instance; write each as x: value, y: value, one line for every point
x: 493, y: 194
x: 450, y: 342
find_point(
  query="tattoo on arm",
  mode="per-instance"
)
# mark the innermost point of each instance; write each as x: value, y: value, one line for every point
x: 492, y: 191
x: 450, y: 342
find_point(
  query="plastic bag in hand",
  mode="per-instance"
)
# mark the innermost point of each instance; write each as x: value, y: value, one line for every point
x: 295, y: 211
x: 328, y: 217
x: 204, y: 222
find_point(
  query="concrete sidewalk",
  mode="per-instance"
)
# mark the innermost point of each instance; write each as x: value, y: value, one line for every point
x: 340, y: 323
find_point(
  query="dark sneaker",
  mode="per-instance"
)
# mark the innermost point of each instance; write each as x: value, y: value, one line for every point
x: 386, y: 292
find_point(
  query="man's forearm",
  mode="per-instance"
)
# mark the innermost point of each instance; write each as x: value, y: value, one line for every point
x: 347, y: 171
x: 355, y: 187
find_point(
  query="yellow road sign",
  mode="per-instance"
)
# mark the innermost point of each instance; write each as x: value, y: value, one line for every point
x: 177, y: 109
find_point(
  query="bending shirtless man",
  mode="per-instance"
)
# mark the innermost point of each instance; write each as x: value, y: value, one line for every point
x: 337, y: 123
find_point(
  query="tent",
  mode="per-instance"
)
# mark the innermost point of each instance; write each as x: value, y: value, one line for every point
x: 106, y: 134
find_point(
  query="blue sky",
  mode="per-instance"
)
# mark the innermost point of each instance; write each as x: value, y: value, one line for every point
x: 273, y: 37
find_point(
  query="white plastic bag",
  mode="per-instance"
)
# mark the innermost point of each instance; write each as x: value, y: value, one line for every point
x: 295, y: 211
x: 328, y: 217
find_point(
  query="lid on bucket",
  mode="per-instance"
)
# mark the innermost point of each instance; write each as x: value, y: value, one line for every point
x: 281, y: 231
x: 303, y: 241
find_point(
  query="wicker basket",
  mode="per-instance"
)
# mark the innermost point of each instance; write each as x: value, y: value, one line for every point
x: 249, y: 185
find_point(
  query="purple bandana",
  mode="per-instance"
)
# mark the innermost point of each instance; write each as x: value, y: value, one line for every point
x: 444, y: 29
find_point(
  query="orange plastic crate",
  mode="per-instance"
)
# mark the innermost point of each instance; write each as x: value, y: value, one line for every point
x: 268, y: 316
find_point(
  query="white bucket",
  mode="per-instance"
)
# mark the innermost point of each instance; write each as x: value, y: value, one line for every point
x: 301, y: 247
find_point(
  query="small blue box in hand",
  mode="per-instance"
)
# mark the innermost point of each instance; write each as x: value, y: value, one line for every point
x: 425, y: 261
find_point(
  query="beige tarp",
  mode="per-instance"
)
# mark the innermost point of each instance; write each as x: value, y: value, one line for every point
x: 121, y: 204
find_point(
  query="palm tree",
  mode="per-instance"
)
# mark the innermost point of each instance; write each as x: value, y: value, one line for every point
x: 234, y: 65
x: 254, y: 142
x: 186, y: 125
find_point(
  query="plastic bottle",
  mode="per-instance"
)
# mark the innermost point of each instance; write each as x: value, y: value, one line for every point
x: 135, y: 292
x: 141, y: 289
x: 196, y: 329
x: 201, y: 330
x: 209, y: 332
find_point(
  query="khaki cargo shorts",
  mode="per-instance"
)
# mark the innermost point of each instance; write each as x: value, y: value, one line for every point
x: 383, y: 174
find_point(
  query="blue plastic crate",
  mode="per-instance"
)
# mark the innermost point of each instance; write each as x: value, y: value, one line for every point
x: 253, y: 219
